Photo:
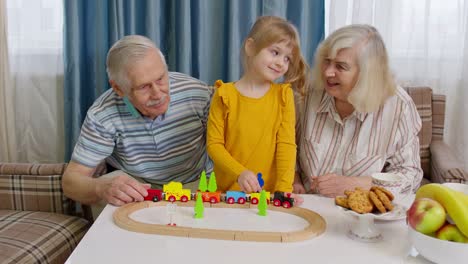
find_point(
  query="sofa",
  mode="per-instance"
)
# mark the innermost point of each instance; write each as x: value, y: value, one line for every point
x: 438, y: 162
x: 38, y: 224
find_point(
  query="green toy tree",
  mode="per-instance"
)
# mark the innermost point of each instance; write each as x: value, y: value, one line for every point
x: 202, y: 184
x: 262, y: 204
x: 212, y: 186
x: 199, y: 207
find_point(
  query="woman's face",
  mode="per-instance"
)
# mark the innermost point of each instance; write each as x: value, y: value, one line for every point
x: 341, y: 73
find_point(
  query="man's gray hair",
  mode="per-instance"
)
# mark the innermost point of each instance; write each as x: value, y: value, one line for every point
x: 124, y: 53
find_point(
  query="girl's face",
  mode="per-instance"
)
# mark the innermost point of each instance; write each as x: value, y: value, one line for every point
x: 272, y: 62
x: 340, y: 74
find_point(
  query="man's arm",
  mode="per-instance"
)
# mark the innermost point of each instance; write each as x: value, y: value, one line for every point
x: 79, y: 185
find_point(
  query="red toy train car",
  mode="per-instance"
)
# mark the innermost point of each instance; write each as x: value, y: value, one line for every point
x: 282, y: 199
x: 154, y: 195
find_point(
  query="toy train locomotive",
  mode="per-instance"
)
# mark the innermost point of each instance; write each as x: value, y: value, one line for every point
x: 173, y: 191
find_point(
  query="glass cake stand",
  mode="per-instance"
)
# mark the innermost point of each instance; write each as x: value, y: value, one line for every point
x: 364, y: 229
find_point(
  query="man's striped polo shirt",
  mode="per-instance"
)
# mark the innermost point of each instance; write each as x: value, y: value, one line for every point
x: 170, y: 148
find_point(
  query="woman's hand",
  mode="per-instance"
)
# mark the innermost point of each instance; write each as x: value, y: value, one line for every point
x: 248, y: 182
x: 331, y: 185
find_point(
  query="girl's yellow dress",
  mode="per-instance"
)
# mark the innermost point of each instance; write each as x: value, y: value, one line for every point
x: 257, y: 134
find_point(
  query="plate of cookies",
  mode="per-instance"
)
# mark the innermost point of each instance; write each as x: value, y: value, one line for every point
x: 377, y: 201
x: 367, y: 206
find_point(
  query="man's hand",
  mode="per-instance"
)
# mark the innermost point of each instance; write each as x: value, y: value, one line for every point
x: 248, y: 182
x: 332, y: 185
x: 121, y: 190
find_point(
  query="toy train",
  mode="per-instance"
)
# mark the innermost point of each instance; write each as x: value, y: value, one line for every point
x: 173, y: 191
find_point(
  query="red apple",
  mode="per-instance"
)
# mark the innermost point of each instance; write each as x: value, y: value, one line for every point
x: 451, y: 232
x: 426, y: 215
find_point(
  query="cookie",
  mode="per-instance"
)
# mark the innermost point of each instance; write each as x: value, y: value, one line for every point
x: 384, y: 199
x: 342, y: 201
x: 382, y: 189
x: 359, y: 202
x: 376, y: 201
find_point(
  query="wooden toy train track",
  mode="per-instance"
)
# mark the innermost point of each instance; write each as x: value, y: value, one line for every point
x: 316, y: 225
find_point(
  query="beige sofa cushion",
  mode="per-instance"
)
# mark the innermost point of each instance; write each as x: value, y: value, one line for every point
x: 38, y: 237
x: 37, y: 222
x: 422, y: 97
x: 34, y: 187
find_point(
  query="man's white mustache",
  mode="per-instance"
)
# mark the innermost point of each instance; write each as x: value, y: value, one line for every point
x: 156, y: 102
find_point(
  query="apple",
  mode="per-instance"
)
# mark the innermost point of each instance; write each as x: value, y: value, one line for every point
x: 426, y: 215
x: 451, y: 232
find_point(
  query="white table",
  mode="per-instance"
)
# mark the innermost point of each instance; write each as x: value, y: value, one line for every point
x: 107, y: 243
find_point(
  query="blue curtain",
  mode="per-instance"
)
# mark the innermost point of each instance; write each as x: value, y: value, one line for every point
x: 199, y: 37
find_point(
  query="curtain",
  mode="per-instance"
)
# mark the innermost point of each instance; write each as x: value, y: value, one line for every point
x: 200, y: 38
x: 33, y: 98
x: 7, y: 130
x: 427, y: 41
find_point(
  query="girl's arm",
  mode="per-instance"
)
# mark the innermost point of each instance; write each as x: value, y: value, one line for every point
x: 285, y: 144
x: 215, y: 140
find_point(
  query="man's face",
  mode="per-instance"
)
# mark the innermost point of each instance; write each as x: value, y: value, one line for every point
x: 149, y: 85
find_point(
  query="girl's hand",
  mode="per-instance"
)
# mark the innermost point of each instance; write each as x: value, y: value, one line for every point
x: 298, y: 200
x: 248, y: 182
x: 298, y: 187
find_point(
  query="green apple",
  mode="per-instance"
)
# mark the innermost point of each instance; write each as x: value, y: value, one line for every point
x: 426, y: 215
x: 451, y: 232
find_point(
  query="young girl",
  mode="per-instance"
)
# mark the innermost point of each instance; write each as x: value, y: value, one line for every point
x: 251, y: 125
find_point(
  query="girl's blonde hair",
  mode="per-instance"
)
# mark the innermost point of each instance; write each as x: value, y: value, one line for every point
x: 375, y: 82
x: 272, y: 29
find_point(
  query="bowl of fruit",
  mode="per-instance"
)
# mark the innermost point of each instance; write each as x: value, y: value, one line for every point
x: 438, y: 223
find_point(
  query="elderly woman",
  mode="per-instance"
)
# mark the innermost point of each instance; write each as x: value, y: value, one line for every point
x: 355, y: 121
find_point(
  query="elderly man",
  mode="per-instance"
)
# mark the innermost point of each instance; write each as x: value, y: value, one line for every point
x: 150, y: 127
